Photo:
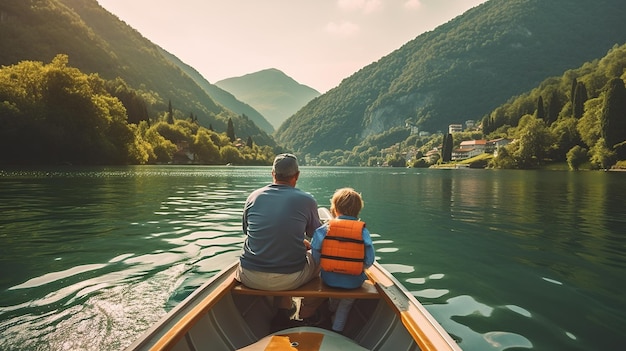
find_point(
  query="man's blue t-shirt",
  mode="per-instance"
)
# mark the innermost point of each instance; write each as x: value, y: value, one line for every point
x: 275, y: 220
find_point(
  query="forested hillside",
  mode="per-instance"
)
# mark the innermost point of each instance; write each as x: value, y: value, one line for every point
x: 98, y: 42
x: 52, y: 114
x: 68, y: 66
x: 222, y: 96
x: 460, y: 71
x: 579, y: 117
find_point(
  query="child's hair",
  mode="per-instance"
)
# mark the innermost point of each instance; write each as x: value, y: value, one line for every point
x: 347, y: 202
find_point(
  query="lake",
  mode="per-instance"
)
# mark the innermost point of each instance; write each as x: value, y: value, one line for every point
x: 504, y: 260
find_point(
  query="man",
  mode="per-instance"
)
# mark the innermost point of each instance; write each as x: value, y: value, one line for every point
x: 276, y: 217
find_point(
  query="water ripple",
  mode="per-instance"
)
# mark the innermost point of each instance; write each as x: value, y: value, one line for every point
x: 51, y: 277
x: 90, y: 258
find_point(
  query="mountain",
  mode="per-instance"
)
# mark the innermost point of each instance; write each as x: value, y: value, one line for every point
x: 271, y: 92
x: 221, y: 96
x: 460, y: 71
x: 98, y: 42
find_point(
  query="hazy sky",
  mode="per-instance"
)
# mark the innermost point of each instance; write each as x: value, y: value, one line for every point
x: 316, y: 42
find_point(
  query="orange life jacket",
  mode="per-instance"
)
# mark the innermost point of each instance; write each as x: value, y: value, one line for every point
x: 343, y: 250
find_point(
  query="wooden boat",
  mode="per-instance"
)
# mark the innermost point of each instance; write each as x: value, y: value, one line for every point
x: 223, y: 314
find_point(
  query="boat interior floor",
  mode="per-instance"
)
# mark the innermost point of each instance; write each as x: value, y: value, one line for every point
x: 304, y: 339
x: 321, y: 318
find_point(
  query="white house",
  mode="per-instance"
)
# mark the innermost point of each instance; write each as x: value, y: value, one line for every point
x: 495, y: 144
x: 455, y: 128
x: 469, y: 149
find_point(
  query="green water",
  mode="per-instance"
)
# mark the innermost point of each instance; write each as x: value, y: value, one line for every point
x: 504, y: 260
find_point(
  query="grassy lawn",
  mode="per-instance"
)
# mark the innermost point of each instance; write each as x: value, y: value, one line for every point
x: 483, y: 159
x: 479, y: 161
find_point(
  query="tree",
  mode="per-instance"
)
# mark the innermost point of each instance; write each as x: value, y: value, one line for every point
x: 533, y: 144
x: 55, y: 114
x: 136, y: 107
x: 420, y: 163
x: 163, y: 149
x: 576, y: 156
x: 566, y: 136
x: 205, y: 149
x: 487, y: 124
x: 580, y: 97
x: 230, y: 130
x: 504, y: 159
x: 143, y: 152
x: 540, y: 112
x: 600, y: 156
x: 588, y: 126
x: 572, y: 92
x: 52, y: 114
x: 613, y: 116
x: 446, y: 151
x: 230, y: 154
x: 172, y: 132
x: 249, y: 142
x: 396, y: 160
x: 554, y: 107
x: 193, y: 118
x: 170, y: 113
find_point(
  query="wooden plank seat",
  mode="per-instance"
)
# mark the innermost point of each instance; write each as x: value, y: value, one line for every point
x: 315, y: 288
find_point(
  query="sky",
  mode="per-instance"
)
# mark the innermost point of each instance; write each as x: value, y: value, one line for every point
x: 316, y: 42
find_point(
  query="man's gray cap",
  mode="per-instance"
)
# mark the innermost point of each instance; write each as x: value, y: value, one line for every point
x: 285, y: 165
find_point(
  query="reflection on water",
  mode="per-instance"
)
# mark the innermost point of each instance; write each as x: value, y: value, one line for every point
x: 527, y: 260
x: 92, y: 258
x: 533, y: 240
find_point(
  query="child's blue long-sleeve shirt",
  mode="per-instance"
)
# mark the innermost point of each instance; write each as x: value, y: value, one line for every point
x: 339, y: 280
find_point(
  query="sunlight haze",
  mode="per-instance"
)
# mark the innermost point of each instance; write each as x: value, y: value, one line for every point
x: 317, y: 43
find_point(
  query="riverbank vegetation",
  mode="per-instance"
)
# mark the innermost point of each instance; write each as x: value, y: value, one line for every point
x: 163, y: 111
x: 56, y: 114
x: 460, y: 71
x: 578, y: 118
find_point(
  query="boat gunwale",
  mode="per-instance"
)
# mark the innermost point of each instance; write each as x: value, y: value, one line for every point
x: 422, y: 327
x: 429, y: 335
x: 181, y: 322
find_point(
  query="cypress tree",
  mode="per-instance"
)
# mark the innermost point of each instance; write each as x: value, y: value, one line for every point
x: 572, y: 92
x: 446, y: 152
x: 450, y: 146
x: 249, y: 142
x: 580, y: 96
x: 613, y: 116
x: 170, y: 113
x: 554, y: 107
x: 444, y: 147
x: 230, y: 130
x: 541, y: 112
x: 486, y: 125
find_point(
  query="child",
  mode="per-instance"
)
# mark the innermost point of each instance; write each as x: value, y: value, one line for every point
x: 343, y: 248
